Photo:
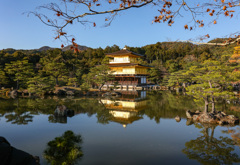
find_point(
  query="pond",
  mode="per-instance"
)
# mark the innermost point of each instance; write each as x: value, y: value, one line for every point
x: 136, y: 128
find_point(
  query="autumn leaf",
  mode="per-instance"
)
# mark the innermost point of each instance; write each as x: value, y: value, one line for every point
x: 226, y: 13
x: 76, y: 50
x: 215, y: 22
x: 222, y: 1
x: 224, y: 7
x: 201, y: 25
x: 207, y: 36
x: 94, y: 24
x: 69, y: 21
x: 186, y: 26
x: 62, y: 46
x: 62, y: 33
x: 73, y: 39
x: 57, y: 37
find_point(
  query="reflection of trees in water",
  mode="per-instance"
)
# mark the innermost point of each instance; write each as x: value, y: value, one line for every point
x: 19, y: 118
x: 167, y: 105
x: 57, y: 119
x: 22, y: 109
x: 210, y: 150
x: 235, y: 134
x: 64, y: 150
x: 160, y: 104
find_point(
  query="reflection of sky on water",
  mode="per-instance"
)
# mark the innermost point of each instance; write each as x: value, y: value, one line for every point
x: 142, y: 142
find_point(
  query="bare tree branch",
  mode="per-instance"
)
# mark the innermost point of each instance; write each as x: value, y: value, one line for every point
x: 169, y: 11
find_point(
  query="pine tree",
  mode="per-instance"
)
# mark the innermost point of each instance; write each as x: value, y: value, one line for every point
x: 40, y: 85
x: 20, y: 71
x: 212, y: 80
x: 3, y: 78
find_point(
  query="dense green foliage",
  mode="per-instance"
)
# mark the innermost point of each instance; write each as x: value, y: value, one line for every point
x: 39, y: 71
x: 64, y: 150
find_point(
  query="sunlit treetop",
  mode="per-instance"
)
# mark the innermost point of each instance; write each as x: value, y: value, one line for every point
x: 66, y: 12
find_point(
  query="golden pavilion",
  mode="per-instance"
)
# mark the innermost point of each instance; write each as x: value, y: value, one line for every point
x: 126, y: 69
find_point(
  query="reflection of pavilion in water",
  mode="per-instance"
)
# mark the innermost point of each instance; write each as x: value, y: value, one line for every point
x: 125, y: 109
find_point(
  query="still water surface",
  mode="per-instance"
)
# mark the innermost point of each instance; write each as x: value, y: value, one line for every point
x: 136, y: 128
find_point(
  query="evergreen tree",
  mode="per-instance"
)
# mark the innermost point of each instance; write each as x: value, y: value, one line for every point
x: 212, y: 80
x: 100, y: 75
x: 20, y: 70
x: 40, y: 85
x: 55, y: 70
x: 3, y: 78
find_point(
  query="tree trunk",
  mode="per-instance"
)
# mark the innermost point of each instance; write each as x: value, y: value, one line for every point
x: 213, y: 106
x: 212, y: 128
x: 206, y: 106
x: 57, y: 83
x: 17, y: 84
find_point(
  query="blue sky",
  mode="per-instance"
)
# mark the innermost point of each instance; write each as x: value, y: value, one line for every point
x: 132, y: 28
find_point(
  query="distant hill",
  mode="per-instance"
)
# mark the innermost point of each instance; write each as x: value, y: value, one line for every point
x: 44, y: 48
x: 9, y: 50
x: 80, y: 47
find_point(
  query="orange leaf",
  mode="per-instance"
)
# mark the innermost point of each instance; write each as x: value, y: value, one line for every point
x: 94, y: 24
x: 57, y: 37
x: 62, y: 33
x: 215, y: 22
x: 224, y: 7
x: 186, y: 26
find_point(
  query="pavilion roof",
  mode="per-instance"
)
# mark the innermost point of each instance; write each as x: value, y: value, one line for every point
x: 127, y: 64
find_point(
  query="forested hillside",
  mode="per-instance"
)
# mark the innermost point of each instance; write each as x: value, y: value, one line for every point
x: 39, y: 70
